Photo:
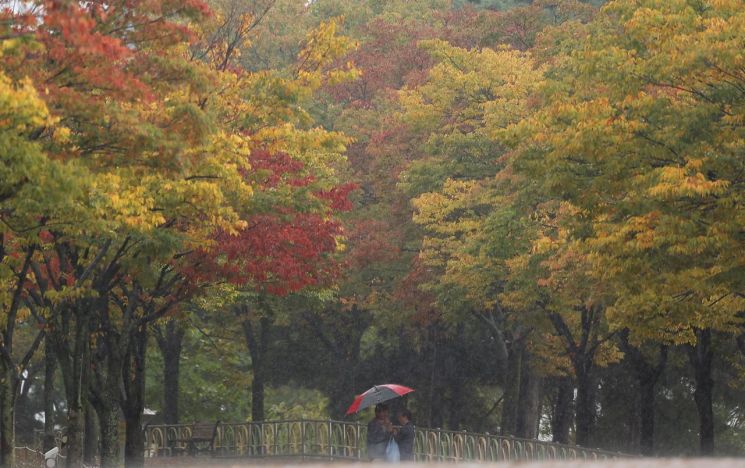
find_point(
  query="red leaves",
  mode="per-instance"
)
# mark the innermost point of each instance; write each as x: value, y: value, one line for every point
x: 373, y: 241
x: 81, y: 55
x: 387, y: 60
x: 272, y: 169
x: 289, y: 248
x: 281, y: 256
x: 338, y: 197
x: 275, y: 254
x: 95, y: 51
x: 46, y: 236
x: 409, y: 294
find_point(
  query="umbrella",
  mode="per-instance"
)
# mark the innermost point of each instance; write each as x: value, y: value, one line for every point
x: 378, y: 394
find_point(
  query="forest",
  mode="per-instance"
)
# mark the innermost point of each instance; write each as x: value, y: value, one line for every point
x: 532, y: 212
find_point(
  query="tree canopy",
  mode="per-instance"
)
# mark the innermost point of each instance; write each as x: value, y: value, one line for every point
x: 531, y: 212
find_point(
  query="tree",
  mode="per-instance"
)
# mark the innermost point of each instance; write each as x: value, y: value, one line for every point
x: 652, y: 164
x: 469, y: 94
x: 550, y: 198
x: 35, y: 192
x: 126, y: 269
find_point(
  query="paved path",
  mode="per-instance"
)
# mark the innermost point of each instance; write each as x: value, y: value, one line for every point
x: 628, y: 463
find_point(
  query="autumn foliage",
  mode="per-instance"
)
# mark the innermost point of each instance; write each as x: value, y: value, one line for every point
x: 533, y: 201
x: 286, y: 248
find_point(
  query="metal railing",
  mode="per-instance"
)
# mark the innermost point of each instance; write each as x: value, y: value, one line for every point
x: 27, y: 457
x: 346, y: 440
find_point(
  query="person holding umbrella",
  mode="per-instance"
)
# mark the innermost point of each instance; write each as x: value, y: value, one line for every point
x: 379, y: 433
x: 377, y: 394
x: 379, y: 430
x: 405, y: 436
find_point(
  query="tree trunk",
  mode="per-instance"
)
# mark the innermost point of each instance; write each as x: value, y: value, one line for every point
x: 342, y: 336
x: 529, y: 402
x: 647, y: 393
x: 75, y: 366
x: 170, y: 341
x: 171, y: 372
x: 585, y: 409
x: 257, y: 339
x: 7, y: 414
x: 105, y: 391
x: 107, y: 401
x: 647, y: 375
x: 339, y: 389
x: 582, y: 352
x: 90, y: 441
x: 134, y: 403
x: 75, y: 431
x: 700, y: 356
x: 108, y: 415
x: 257, y: 397
x: 561, y: 419
x: 511, y: 387
x: 433, y: 410
x: 134, y: 453
x: 50, y: 367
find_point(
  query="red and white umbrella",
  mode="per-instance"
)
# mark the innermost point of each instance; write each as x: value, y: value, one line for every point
x: 378, y: 394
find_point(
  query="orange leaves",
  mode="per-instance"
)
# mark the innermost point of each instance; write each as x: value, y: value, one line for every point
x: 81, y: 53
x: 675, y: 182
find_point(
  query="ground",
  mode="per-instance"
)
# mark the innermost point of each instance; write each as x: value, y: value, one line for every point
x: 627, y: 463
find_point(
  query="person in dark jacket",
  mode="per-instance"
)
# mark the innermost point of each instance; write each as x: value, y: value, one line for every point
x: 405, y: 436
x: 379, y: 432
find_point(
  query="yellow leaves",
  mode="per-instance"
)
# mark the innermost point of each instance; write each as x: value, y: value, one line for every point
x: 608, y: 353
x: 730, y: 7
x: 119, y: 198
x: 21, y: 109
x: 479, y: 92
x: 519, y: 262
x: 471, y: 100
x: 71, y: 293
x: 672, y: 315
x: 323, y: 47
x: 657, y: 22
x: 688, y: 181
x: 8, y: 45
x: 32, y: 184
x: 554, y: 360
x: 212, y: 192
x: 61, y: 135
x: 637, y: 233
x: 320, y: 150
x: 544, y: 244
x: 644, y: 135
x: 449, y: 212
x: 453, y: 244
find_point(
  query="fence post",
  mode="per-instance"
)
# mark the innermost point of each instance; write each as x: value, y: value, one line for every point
x: 359, y: 441
x: 302, y: 440
x: 331, y: 442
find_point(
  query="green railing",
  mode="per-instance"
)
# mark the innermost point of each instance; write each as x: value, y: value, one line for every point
x: 306, y: 439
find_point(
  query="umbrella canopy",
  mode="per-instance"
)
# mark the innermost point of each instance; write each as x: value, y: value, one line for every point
x: 378, y: 394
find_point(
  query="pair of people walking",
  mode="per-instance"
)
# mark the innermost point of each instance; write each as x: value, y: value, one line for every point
x: 381, y: 434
